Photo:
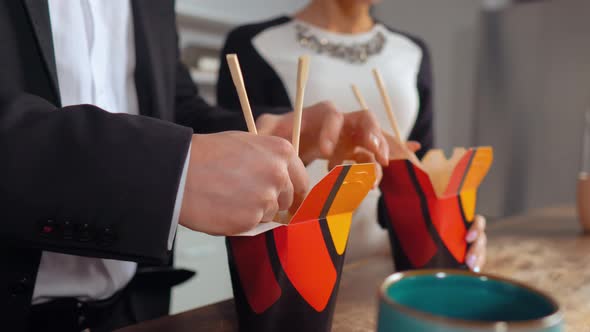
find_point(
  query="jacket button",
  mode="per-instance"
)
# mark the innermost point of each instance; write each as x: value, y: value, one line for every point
x: 20, y: 287
x: 48, y: 228
x: 68, y: 230
x: 85, y: 233
x: 107, y: 236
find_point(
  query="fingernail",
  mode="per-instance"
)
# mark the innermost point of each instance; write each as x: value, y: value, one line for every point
x: 375, y: 141
x: 471, y: 261
x: 471, y: 236
x: 377, y: 179
x: 329, y: 146
x: 385, y: 151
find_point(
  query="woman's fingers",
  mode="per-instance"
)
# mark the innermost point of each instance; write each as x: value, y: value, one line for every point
x: 359, y: 156
x: 478, y: 227
x: 365, y: 156
x: 476, y: 256
x: 413, y: 146
x: 361, y: 129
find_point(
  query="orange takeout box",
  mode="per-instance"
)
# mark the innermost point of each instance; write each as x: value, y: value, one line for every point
x: 285, y: 276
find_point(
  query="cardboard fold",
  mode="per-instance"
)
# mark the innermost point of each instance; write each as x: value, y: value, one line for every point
x: 351, y: 190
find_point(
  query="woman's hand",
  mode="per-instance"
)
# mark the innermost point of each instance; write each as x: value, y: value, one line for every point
x: 402, y: 150
x: 476, y: 256
x: 397, y: 150
x: 359, y: 155
x: 327, y: 133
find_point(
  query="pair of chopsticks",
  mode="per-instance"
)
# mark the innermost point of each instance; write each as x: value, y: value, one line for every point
x: 386, y: 102
x: 302, y: 74
x: 388, y: 108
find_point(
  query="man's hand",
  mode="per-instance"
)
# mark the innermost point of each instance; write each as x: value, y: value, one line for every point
x: 327, y: 133
x: 236, y: 180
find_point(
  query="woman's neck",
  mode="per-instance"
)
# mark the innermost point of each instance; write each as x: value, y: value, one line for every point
x: 340, y: 16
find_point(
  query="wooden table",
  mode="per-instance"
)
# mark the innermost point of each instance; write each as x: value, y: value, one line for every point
x: 546, y: 249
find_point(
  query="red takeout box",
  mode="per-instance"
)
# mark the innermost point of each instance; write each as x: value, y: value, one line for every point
x: 431, y: 206
x: 285, y: 276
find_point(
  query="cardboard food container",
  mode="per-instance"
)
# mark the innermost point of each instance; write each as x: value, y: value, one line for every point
x: 285, y: 276
x: 431, y: 206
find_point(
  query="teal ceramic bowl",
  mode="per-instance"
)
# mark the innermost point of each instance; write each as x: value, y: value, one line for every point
x: 461, y: 301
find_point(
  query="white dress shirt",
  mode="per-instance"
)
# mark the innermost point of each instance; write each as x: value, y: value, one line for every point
x: 95, y: 57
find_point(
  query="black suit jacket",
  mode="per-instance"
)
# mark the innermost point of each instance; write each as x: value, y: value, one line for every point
x: 78, y: 179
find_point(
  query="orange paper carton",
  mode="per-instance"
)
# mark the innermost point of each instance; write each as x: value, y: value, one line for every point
x: 285, y: 276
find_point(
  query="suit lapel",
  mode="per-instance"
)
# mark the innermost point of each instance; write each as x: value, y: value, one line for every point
x: 38, y: 11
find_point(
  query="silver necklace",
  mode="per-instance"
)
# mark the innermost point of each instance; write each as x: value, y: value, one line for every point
x: 352, y: 53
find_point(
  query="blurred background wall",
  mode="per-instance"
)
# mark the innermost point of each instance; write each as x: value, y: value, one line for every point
x: 533, y: 87
x: 450, y: 29
x: 511, y: 74
x: 514, y: 75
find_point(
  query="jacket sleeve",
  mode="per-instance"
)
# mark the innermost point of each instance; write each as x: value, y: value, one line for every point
x: 226, y: 92
x: 423, y: 130
x: 193, y: 111
x: 83, y: 181
x: 266, y: 91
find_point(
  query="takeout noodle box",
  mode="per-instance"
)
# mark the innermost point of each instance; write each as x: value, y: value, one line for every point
x: 286, y: 278
x: 431, y: 206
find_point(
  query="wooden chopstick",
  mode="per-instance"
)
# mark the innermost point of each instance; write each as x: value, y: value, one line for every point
x: 302, y: 73
x: 359, y: 97
x: 387, y: 103
x: 236, y: 75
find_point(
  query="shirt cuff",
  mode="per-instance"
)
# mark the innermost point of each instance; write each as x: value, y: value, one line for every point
x: 178, y: 204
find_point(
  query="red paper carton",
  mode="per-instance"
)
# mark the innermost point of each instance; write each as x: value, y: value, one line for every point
x: 431, y: 206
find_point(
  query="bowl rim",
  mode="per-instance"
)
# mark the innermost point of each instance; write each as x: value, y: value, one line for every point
x: 556, y: 317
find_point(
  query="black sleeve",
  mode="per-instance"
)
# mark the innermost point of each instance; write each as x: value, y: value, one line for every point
x: 423, y: 128
x: 423, y: 131
x: 83, y: 181
x: 226, y: 92
x: 266, y: 91
x: 193, y: 111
